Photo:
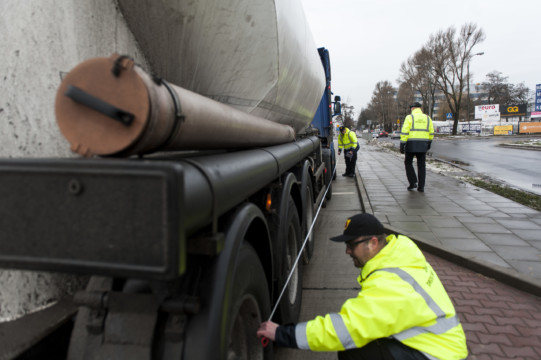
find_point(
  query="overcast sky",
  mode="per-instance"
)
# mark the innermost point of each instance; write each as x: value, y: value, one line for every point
x: 369, y: 39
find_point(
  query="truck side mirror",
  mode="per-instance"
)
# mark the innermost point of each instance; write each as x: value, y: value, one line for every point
x: 337, y: 110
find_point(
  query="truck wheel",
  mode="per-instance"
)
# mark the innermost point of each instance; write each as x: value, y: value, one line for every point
x: 329, y: 174
x: 307, y: 222
x: 250, y: 307
x: 333, y: 165
x: 290, y: 304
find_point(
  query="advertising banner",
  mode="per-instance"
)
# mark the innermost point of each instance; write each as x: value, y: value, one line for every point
x: 513, y: 110
x: 503, y: 130
x: 529, y: 127
x: 481, y: 110
x: 471, y: 128
x: 538, y: 97
x: 491, y: 118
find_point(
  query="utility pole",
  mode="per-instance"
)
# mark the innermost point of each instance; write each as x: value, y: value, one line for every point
x: 469, y: 97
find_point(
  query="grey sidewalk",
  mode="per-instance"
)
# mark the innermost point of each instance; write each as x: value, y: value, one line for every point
x: 470, y: 222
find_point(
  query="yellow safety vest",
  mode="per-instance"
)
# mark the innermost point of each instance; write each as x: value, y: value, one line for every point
x: 401, y: 297
x: 348, y: 140
x: 417, y: 131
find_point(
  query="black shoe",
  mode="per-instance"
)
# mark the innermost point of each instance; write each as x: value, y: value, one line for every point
x: 411, y: 187
x: 351, y: 175
x: 421, y: 189
x: 345, y: 174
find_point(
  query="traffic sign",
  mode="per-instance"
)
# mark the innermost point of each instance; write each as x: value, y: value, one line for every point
x: 449, y: 116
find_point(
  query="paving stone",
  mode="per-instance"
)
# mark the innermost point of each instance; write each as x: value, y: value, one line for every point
x: 487, y: 228
x: 502, y: 239
x: 441, y: 221
x: 514, y: 352
x: 468, y: 245
x: 476, y: 220
x: 456, y: 233
x: 528, y: 234
x: 517, y: 252
x: 520, y: 224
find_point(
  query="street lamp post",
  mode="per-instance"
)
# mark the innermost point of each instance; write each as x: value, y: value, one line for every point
x: 469, y: 97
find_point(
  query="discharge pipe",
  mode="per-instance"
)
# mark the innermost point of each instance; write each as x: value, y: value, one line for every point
x: 112, y: 107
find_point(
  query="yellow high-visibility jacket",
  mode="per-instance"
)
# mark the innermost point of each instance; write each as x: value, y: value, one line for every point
x: 401, y: 297
x: 417, y: 132
x: 347, y: 141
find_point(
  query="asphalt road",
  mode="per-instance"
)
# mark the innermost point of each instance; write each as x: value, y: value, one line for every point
x: 519, y: 168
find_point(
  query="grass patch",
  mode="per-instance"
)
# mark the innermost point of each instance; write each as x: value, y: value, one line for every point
x: 531, y: 200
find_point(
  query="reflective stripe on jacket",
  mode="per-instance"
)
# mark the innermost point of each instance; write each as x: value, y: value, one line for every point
x: 401, y: 297
x: 347, y: 140
x: 417, y: 131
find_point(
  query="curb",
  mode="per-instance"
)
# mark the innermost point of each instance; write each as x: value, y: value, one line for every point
x: 506, y: 276
x: 525, y: 147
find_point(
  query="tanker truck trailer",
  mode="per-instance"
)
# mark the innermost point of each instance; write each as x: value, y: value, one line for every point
x: 177, y: 182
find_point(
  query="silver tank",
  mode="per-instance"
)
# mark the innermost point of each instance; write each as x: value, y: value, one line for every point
x: 255, y: 55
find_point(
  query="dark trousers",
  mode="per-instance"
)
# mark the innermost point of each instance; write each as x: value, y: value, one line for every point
x: 382, y: 349
x: 421, y: 168
x: 350, y: 162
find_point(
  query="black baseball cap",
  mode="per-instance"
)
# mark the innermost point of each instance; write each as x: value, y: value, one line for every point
x: 360, y: 225
x: 416, y: 104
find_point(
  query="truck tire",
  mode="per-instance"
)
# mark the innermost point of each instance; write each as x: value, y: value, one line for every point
x: 290, y: 304
x: 250, y: 307
x: 333, y: 164
x: 327, y: 158
x: 308, y: 201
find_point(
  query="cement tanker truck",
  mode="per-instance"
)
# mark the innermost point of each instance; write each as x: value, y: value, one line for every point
x: 161, y: 165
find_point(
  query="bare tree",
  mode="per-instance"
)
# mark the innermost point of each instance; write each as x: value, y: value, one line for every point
x: 347, y: 117
x: 416, y: 72
x: 366, y: 114
x: 450, y: 53
x: 404, y: 98
x: 497, y: 88
x: 384, y: 104
x: 521, y: 94
x: 500, y: 91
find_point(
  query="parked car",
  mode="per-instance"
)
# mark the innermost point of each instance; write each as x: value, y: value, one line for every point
x: 375, y: 135
x: 383, y: 134
x: 395, y: 134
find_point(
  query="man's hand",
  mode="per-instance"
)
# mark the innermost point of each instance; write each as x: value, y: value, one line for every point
x: 402, y: 148
x: 339, y: 151
x: 268, y: 330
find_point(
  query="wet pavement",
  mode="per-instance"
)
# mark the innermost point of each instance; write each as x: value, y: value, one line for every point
x: 485, y: 249
x: 478, y: 224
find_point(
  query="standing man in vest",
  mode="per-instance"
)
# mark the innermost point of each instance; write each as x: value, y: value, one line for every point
x: 401, y: 312
x: 415, y: 140
x: 347, y: 141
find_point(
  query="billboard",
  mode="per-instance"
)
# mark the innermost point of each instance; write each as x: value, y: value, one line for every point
x: 513, y: 110
x: 529, y: 127
x: 503, y: 130
x: 481, y: 110
x: 491, y: 118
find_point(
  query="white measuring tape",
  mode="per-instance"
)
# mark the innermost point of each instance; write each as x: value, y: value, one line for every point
x: 302, y: 248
